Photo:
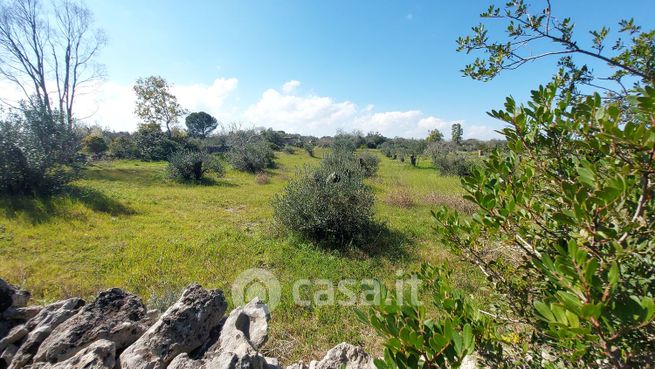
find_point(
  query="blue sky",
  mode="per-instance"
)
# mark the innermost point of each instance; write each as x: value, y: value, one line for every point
x: 373, y: 65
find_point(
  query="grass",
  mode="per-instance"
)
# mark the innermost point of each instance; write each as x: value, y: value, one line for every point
x: 125, y: 224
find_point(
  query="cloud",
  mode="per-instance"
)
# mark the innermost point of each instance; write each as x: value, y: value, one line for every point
x: 112, y: 104
x: 290, y: 86
x: 300, y: 114
x: 320, y: 115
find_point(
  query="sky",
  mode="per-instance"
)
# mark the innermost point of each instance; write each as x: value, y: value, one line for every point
x: 314, y: 67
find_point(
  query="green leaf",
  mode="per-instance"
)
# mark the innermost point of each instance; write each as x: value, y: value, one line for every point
x: 544, y: 311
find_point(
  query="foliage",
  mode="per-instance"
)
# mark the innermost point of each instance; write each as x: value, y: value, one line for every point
x: 374, y: 140
x: 200, y: 124
x: 94, y: 144
x: 289, y: 149
x: 369, y: 163
x: 37, y: 153
x: 189, y: 165
x: 309, y: 148
x: 415, y: 339
x: 630, y: 57
x: 434, y: 136
x: 571, y: 200
x: 123, y: 147
x: 249, y: 151
x: 152, y: 144
x: 329, y: 204
x: 456, y: 133
x: 155, y: 104
x: 347, y: 142
x: 275, y: 138
x: 452, y: 163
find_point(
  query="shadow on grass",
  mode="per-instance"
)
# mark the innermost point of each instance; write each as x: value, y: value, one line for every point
x: 41, y: 209
x: 379, y: 242
x: 206, y: 181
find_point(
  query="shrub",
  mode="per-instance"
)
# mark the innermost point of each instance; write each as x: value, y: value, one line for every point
x: 369, y: 164
x: 37, y: 153
x: 449, y: 160
x: 94, y: 144
x: 123, y: 147
x: 309, y: 148
x: 328, y: 204
x: 192, y: 165
x: 249, y: 152
x: 289, y: 149
x: 152, y: 144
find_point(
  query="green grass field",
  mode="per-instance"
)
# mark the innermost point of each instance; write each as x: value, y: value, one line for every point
x: 125, y: 224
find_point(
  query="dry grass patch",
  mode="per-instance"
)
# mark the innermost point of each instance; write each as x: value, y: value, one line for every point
x: 455, y: 202
x: 262, y: 178
x: 401, y: 198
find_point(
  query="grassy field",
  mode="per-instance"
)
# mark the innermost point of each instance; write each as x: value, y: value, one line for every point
x: 125, y: 224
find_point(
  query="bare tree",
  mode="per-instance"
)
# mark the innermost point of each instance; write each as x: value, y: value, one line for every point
x: 48, y: 51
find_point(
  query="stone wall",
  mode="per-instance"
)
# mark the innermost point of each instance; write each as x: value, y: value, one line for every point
x: 117, y: 331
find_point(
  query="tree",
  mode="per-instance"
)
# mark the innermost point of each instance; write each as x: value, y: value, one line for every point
x: 631, y: 57
x: 434, y: 136
x: 45, y: 53
x: 456, y: 133
x: 155, y: 103
x: 200, y: 124
x: 94, y: 144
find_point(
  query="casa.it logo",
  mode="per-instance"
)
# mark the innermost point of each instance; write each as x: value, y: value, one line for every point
x: 256, y: 282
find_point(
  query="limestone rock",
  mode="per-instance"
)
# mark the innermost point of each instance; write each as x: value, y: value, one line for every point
x: 21, y: 313
x: 353, y: 357
x: 184, y: 327
x: 41, y: 326
x: 12, y: 296
x: 243, y: 333
x: 99, y: 355
x: 7, y: 355
x: 247, y: 326
x: 16, y: 334
x: 115, y: 315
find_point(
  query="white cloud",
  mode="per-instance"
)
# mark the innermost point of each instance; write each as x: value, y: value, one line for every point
x: 111, y: 105
x: 290, y: 86
x: 320, y: 115
x: 309, y: 115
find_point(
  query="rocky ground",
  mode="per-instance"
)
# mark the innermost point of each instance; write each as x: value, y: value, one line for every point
x: 116, y: 330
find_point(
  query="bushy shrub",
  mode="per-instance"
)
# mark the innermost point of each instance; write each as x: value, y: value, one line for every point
x: 153, y: 144
x: 38, y: 153
x: 192, y: 165
x: 94, y: 145
x: 289, y: 149
x: 249, y: 152
x: 454, y: 164
x: 329, y: 204
x: 309, y: 148
x: 369, y: 164
x: 123, y: 147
